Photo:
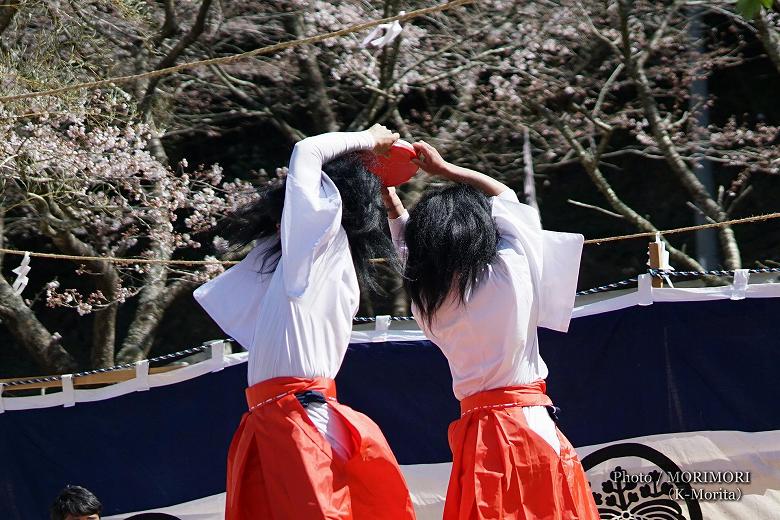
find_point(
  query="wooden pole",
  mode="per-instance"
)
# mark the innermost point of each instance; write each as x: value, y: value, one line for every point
x: 654, y: 251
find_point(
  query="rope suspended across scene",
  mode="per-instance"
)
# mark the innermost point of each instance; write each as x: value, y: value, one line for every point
x: 592, y: 241
x: 270, y: 49
x: 645, y: 234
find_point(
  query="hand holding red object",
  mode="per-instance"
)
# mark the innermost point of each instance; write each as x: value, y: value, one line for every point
x: 396, y: 167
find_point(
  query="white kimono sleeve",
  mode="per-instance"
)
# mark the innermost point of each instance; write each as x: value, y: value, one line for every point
x: 397, y: 229
x: 554, y: 258
x: 312, y: 205
x: 233, y: 298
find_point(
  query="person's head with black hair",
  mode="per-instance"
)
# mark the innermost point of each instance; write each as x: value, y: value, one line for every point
x: 451, y: 239
x: 362, y: 217
x: 76, y: 503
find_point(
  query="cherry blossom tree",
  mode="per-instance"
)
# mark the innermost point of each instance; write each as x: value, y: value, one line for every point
x: 86, y: 174
x: 587, y: 82
x: 520, y: 90
x: 84, y: 179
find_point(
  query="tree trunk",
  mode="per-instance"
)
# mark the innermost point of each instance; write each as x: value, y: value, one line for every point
x: 30, y: 333
x: 104, y: 336
x: 529, y: 183
x: 318, y: 99
x: 104, y: 325
x: 387, y: 63
x: 153, y: 301
x: 400, y: 298
x: 147, y: 318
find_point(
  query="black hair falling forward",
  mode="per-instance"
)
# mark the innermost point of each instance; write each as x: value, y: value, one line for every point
x: 451, y: 239
x: 363, y: 218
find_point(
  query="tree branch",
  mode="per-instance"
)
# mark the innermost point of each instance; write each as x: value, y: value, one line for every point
x: 170, y: 26
x: 2, y: 235
x: 387, y: 64
x: 107, y: 281
x: 769, y: 38
x: 604, y: 187
x: 170, y: 59
x: 667, y: 147
x: 293, y: 134
x: 7, y: 12
x: 595, y: 208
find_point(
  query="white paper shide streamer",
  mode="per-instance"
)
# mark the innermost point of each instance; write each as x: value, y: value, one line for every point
x: 388, y: 32
x: 21, y: 275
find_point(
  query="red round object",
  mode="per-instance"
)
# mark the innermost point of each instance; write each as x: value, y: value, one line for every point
x: 396, y: 167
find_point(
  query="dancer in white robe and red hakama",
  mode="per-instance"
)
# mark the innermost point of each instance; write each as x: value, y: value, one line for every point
x: 298, y: 453
x: 482, y: 276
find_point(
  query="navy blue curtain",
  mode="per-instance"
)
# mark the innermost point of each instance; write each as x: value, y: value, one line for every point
x: 669, y: 367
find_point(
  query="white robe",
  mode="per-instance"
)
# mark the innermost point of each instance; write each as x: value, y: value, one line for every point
x: 297, y: 320
x: 491, y: 341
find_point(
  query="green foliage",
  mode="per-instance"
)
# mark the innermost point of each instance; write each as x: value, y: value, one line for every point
x: 750, y: 8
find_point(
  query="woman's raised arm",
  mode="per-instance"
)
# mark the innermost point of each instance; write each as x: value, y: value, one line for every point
x: 431, y: 161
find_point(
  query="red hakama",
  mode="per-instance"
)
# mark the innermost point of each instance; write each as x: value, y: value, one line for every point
x: 503, y: 469
x: 281, y: 467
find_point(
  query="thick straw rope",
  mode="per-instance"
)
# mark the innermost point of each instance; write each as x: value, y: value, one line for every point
x: 757, y: 218
x: 270, y: 49
x: 117, y: 260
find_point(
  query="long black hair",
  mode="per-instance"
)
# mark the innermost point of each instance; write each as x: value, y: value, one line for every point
x: 451, y: 238
x: 363, y: 218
